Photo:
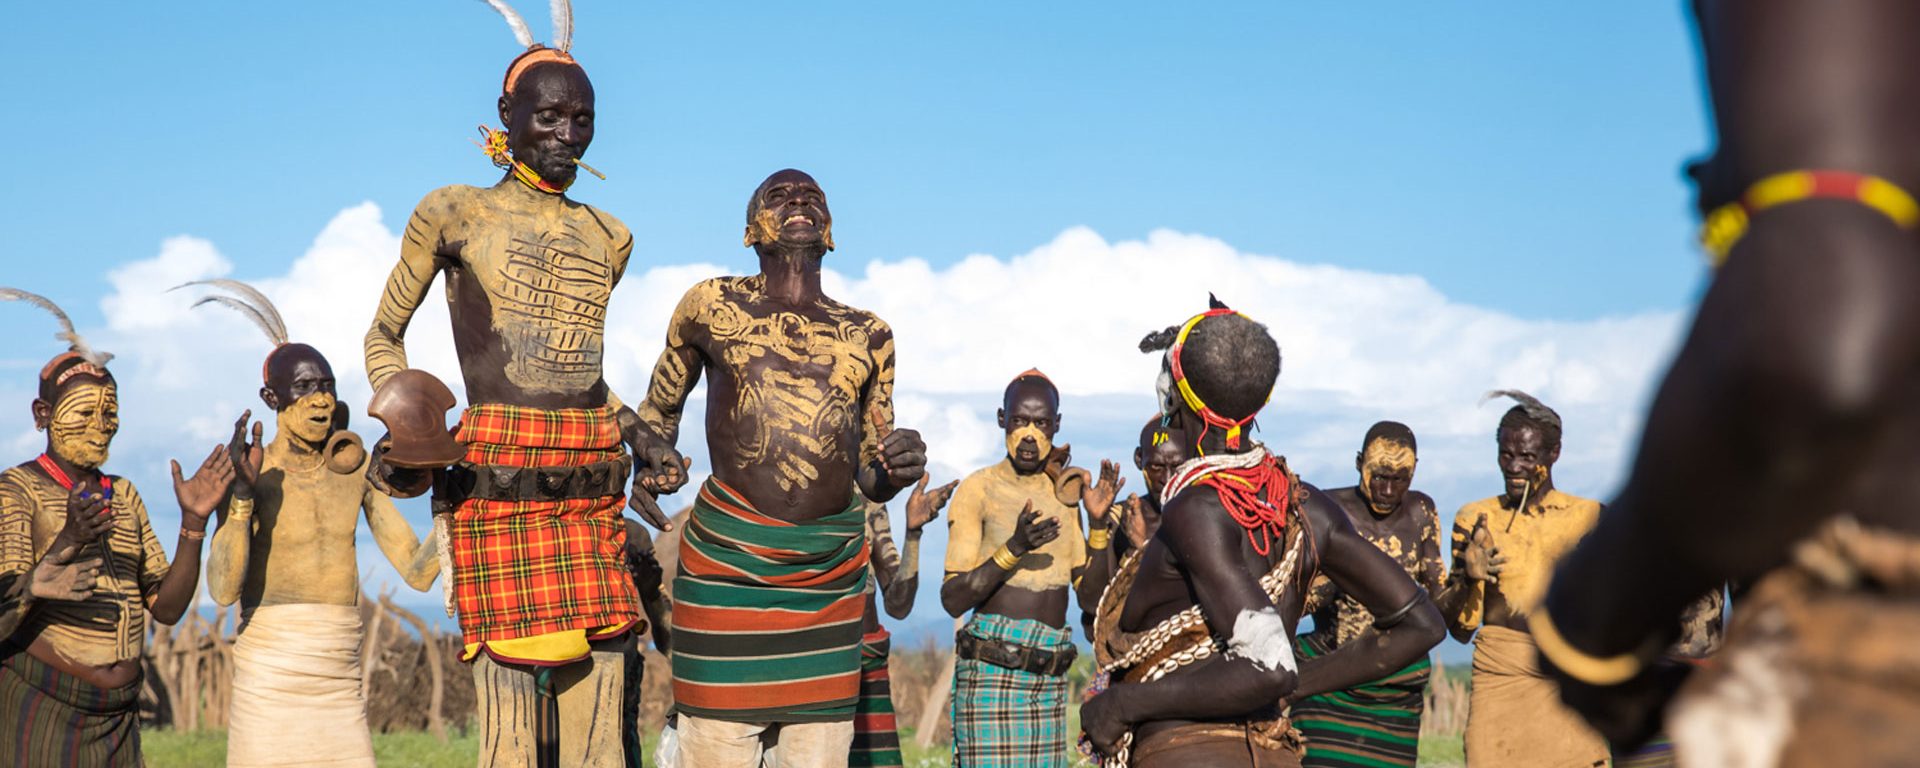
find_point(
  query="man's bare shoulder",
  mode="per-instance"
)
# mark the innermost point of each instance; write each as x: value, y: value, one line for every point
x: 20, y: 481
x: 861, y: 318
x: 983, y: 476
x: 615, y: 230
x: 446, y: 200
x: 701, y: 300
x: 1474, y: 511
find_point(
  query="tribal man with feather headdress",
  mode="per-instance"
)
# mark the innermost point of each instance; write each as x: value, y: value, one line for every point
x: 1504, y: 548
x: 81, y: 570
x: 285, y: 551
x: 536, y: 536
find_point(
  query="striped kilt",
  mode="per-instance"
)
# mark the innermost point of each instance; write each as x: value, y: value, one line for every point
x: 876, y: 737
x: 767, y: 613
x: 50, y: 718
x: 1367, y: 726
x: 1004, y: 718
x: 529, y: 568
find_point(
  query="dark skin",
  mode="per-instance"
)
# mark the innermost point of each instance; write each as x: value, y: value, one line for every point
x: 897, y: 587
x: 1201, y: 554
x: 1141, y: 514
x: 549, y: 121
x: 294, y: 372
x: 1765, y: 426
x: 1391, y: 489
x: 1029, y: 402
x: 197, y: 496
x: 790, y: 266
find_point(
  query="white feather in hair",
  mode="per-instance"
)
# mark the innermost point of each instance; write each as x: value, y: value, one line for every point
x: 519, y: 25
x: 562, y: 24
x: 275, y: 325
x: 75, y: 342
x: 251, y: 313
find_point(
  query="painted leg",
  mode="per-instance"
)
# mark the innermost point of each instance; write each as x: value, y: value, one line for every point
x: 708, y: 743
x: 508, y: 704
x: 811, y: 745
x: 590, y: 697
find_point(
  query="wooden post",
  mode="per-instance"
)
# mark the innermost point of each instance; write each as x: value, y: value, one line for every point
x: 435, y: 723
x: 936, y: 701
x: 370, y: 647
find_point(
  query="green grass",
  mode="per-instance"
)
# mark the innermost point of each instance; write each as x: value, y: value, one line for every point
x: 195, y: 749
x: 183, y: 749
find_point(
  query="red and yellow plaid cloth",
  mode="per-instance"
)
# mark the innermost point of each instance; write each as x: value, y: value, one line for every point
x: 527, y: 568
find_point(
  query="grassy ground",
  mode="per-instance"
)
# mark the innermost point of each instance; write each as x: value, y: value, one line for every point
x: 178, y: 749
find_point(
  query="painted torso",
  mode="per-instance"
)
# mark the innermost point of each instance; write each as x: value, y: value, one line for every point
x: 111, y: 625
x: 986, y: 509
x: 1410, y: 535
x: 785, y: 393
x: 305, y: 521
x: 1532, y: 542
x: 527, y: 288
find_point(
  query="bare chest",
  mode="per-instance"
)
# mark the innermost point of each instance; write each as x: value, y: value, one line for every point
x: 313, y: 505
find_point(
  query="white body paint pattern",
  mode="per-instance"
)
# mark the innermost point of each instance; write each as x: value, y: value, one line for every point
x: 1262, y: 638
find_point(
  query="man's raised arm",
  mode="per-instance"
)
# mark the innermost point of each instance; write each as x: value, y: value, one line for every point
x: 407, y: 285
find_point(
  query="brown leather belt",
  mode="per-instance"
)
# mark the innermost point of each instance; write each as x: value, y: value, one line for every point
x: 1014, y: 656
x: 467, y: 480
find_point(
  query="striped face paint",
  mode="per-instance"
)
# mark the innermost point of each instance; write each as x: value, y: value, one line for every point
x: 84, y: 422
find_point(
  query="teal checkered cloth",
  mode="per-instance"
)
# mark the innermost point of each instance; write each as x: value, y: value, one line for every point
x: 1003, y: 718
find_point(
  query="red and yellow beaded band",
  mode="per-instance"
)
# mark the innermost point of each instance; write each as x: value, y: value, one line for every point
x: 1725, y: 225
x: 1208, y: 416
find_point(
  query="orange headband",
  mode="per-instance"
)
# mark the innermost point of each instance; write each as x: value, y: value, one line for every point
x: 538, y: 54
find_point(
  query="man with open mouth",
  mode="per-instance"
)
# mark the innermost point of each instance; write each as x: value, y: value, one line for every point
x: 1014, y: 550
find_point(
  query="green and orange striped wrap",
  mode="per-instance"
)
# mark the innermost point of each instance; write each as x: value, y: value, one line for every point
x: 766, y: 613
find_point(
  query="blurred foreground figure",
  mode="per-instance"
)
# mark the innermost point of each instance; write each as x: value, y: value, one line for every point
x: 1778, y: 442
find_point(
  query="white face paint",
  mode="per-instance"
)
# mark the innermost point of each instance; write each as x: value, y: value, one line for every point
x: 1262, y: 638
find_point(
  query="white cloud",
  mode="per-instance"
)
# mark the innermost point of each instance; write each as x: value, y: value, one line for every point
x: 1358, y: 346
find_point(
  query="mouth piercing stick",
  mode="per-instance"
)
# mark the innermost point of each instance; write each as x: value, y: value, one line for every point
x: 589, y: 169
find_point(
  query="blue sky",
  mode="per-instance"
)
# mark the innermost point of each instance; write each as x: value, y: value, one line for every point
x: 1522, y: 155
x: 1426, y: 200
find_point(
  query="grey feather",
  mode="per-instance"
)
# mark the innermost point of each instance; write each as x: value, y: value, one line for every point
x: 1536, y: 410
x: 249, y: 311
x: 562, y: 24
x: 277, y: 329
x: 75, y: 342
x: 519, y: 25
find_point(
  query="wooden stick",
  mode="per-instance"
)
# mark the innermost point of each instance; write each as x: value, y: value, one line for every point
x: 435, y: 723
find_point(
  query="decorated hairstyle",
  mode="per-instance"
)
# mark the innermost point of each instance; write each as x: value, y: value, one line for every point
x: 1031, y: 374
x: 80, y: 359
x: 1529, y: 412
x: 1390, y: 430
x: 1227, y: 363
x: 560, y: 52
x: 252, y: 304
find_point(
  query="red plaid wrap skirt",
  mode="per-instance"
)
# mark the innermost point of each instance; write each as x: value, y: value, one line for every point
x: 529, y: 568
